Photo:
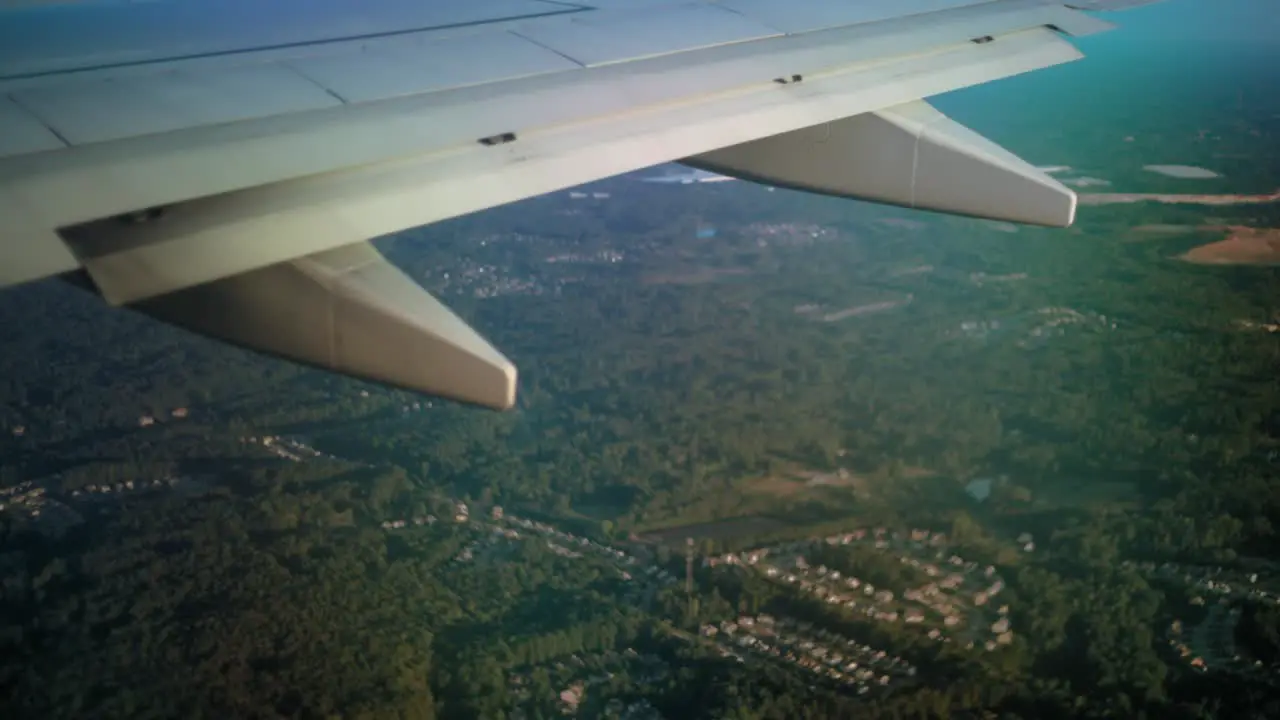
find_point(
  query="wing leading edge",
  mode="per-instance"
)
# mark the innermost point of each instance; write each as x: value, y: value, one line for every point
x: 254, y: 229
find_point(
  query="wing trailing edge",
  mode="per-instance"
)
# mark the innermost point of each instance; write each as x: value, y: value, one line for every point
x: 1109, y: 5
x: 909, y: 155
x: 350, y: 311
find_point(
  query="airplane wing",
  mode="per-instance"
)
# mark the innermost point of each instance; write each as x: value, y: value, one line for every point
x: 222, y: 164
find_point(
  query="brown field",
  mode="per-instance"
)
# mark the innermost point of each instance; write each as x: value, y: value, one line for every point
x: 1243, y: 246
x: 774, y: 486
x: 799, y: 482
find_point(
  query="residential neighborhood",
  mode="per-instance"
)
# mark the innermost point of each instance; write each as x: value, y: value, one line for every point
x: 827, y: 655
x: 1205, y: 640
x: 933, y: 590
x: 958, y: 602
x: 955, y: 601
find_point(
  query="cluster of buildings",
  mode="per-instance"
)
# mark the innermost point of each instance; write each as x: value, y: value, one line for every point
x: 179, y: 413
x: 501, y: 526
x: 23, y: 497
x: 484, y: 543
x: 621, y: 558
x: 829, y: 655
x: 567, y: 544
x: 1271, y: 327
x: 606, y: 256
x: 1034, y: 327
x: 53, y: 513
x: 604, y: 673
x: 1210, y: 643
x: 787, y: 234
x: 1212, y: 580
x: 34, y: 498
x: 1050, y: 320
x: 29, y: 502
x: 418, y: 521
x: 289, y: 448
x: 956, y: 601
x: 122, y: 488
x: 482, y: 280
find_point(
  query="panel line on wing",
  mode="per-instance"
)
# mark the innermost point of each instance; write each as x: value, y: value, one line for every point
x: 915, y: 168
x: 915, y: 160
x: 22, y: 131
x: 547, y: 47
x: 559, y: 9
x: 326, y: 90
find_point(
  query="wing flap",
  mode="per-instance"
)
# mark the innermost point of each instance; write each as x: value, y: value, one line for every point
x: 627, y: 34
x: 210, y: 238
x: 348, y: 310
x: 797, y: 16
x: 388, y: 70
x: 909, y: 155
x: 94, y: 111
x: 22, y: 132
x: 40, y: 41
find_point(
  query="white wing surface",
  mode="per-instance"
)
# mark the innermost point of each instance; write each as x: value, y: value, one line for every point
x: 221, y: 164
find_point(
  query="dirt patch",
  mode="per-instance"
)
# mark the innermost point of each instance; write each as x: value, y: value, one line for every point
x: 694, y: 276
x: 1243, y: 246
x: 774, y: 486
x: 800, y: 483
x: 915, y: 472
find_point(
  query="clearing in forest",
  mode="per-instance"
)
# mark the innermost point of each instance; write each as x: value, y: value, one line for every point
x: 692, y: 276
